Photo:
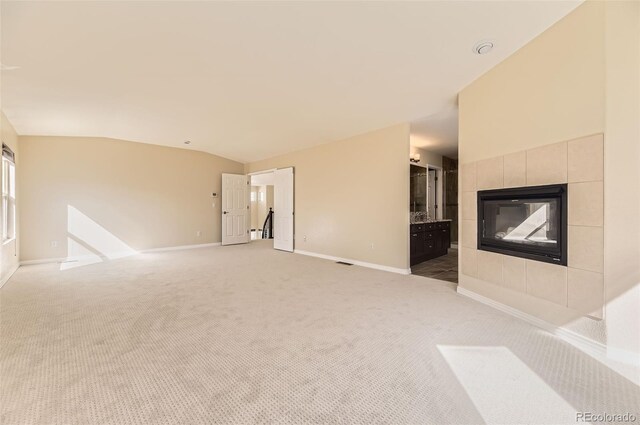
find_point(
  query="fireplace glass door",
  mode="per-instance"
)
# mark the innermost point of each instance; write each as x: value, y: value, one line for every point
x: 522, y: 222
x: 525, y: 222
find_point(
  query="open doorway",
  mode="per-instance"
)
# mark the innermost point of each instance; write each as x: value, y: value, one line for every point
x: 262, y: 207
x: 433, y: 221
x: 272, y: 207
x: 433, y: 204
x: 236, y: 214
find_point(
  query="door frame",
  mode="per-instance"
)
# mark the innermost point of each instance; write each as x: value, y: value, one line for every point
x: 256, y: 173
x: 290, y: 174
x: 440, y: 197
x: 271, y: 170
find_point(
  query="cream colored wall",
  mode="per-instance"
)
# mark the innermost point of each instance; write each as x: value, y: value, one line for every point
x: 351, y: 197
x: 269, y: 198
x: 622, y: 177
x: 578, y: 78
x: 145, y: 195
x: 9, y: 252
x: 261, y: 207
x: 255, y: 207
x: 264, y: 192
x: 549, y: 91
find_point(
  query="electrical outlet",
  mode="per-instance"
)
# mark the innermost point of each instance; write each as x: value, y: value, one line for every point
x: 305, y: 238
x: 198, y: 233
x: 54, y: 244
x: 372, y: 246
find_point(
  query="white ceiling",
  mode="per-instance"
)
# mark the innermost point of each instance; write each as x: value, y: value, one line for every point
x: 248, y: 80
x: 437, y: 133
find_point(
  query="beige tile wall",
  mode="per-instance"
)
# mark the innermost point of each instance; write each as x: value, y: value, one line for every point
x: 579, y: 163
x: 547, y: 281
x: 514, y: 273
x: 547, y: 164
x: 515, y: 173
x: 490, y: 267
x: 490, y: 173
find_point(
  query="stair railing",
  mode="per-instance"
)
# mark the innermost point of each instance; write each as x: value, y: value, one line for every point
x: 267, y: 228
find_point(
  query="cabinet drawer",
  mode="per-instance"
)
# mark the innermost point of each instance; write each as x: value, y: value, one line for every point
x: 417, y: 228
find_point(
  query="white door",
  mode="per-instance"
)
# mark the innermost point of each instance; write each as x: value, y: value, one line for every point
x: 235, y: 209
x: 283, y: 209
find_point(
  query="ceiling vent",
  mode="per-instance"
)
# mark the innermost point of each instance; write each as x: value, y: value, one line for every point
x: 483, y: 48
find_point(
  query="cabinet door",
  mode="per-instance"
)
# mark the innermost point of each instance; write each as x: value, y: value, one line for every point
x: 438, y: 242
x: 420, y: 243
x: 414, y: 244
x: 430, y: 248
x: 417, y: 248
x: 447, y: 239
x: 442, y: 244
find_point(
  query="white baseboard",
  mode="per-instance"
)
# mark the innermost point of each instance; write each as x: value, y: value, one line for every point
x: 573, y: 338
x: 610, y: 357
x: 180, y: 247
x: 8, y: 275
x: 623, y: 356
x: 44, y: 261
x: 354, y: 262
x: 118, y: 254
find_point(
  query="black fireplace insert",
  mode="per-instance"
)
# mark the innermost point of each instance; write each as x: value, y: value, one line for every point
x: 527, y: 222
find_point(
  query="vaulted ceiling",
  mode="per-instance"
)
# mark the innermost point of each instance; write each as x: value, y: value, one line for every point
x: 248, y: 80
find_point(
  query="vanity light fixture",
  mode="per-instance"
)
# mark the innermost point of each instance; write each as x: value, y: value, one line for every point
x: 414, y: 157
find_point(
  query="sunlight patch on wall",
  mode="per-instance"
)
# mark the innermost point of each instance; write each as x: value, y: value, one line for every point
x: 504, y: 389
x: 78, y: 256
x: 90, y: 243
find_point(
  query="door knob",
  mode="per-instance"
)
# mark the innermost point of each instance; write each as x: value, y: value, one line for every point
x: 224, y: 212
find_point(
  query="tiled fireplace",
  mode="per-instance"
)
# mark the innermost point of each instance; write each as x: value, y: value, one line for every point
x: 576, y: 281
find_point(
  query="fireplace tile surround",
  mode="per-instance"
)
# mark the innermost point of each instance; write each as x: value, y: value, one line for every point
x: 578, y: 162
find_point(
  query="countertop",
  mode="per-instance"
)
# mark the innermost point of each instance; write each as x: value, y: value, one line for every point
x: 431, y: 221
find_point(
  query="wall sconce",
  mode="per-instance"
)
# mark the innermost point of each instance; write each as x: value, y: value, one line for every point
x: 414, y: 157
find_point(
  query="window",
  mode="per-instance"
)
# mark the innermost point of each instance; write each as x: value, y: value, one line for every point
x: 8, y: 195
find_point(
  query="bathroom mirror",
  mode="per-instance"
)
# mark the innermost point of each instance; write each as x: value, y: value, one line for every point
x: 418, y: 188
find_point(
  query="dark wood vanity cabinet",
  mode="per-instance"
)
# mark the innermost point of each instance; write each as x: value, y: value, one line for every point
x: 429, y: 240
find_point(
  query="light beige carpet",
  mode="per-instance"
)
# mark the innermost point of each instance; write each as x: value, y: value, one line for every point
x: 245, y: 334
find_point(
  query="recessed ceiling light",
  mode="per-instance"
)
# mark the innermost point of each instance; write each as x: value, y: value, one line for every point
x: 188, y: 142
x: 483, y: 47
